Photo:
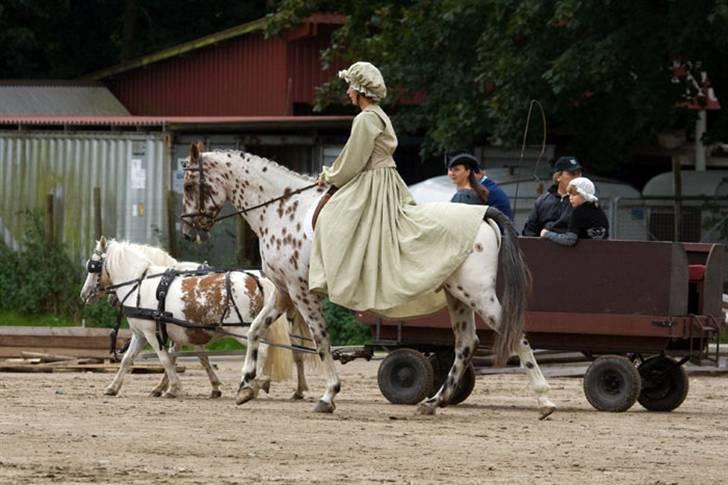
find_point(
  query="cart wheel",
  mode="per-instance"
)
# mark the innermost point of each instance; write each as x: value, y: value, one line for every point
x: 405, y: 377
x: 612, y: 383
x: 441, y: 363
x: 664, y: 384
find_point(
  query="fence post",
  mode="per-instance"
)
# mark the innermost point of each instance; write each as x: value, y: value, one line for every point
x: 172, y: 223
x: 677, y: 184
x: 97, y: 214
x: 240, y: 241
x: 50, y: 227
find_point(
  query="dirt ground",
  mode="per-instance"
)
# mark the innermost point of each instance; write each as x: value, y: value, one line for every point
x: 59, y: 428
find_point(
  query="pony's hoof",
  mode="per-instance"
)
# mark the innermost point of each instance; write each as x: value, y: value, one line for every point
x: 110, y: 391
x: 155, y: 393
x: 425, y: 409
x: 215, y: 394
x: 324, y: 407
x: 265, y: 385
x: 170, y: 395
x: 546, y: 411
x: 297, y: 396
x: 245, y: 394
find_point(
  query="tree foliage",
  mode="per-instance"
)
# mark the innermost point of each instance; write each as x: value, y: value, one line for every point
x: 56, y: 39
x: 602, y: 70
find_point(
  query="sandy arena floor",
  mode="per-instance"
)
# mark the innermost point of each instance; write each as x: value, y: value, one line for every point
x: 59, y: 428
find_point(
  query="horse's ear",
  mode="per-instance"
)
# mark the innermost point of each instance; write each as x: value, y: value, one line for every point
x: 102, y: 243
x: 194, y: 152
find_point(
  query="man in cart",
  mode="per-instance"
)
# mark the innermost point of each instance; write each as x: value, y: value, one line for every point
x: 552, y: 209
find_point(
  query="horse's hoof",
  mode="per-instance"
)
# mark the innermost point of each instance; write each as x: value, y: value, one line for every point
x: 215, y: 393
x: 170, y: 394
x: 546, y: 411
x: 297, y: 396
x: 110, y: 392
x: 324, y: 407
x: 155, y: 393
x: 245, y: 394
x: 425, y: 409
x: 266, y: 386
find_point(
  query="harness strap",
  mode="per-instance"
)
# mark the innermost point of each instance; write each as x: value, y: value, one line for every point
x: 162, y: 290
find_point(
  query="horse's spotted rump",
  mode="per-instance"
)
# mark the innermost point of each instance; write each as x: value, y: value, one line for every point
x: 203, y: 298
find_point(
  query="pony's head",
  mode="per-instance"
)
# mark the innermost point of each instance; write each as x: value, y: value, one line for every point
x: 202, y: 199
x: 97, y: 279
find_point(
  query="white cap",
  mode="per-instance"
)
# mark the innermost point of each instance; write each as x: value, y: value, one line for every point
x: 585, y: 188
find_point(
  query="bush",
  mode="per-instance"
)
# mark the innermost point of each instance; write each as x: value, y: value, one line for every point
x: 40, y: 278
x: 343, y: 328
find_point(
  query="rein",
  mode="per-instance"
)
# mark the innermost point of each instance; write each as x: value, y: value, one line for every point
x: 263, y: 204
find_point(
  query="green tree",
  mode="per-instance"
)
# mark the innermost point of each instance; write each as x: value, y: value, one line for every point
x: 601, y: 69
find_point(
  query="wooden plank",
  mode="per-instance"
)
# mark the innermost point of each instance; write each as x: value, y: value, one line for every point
x: 61, y: 331
x: 106, y: 368
x: 75, y: 353
x: 46, y: 357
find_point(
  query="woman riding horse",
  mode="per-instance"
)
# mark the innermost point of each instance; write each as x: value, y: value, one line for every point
x: 373, y: 247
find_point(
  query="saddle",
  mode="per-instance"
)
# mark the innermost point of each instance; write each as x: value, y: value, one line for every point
x: 322, y: 202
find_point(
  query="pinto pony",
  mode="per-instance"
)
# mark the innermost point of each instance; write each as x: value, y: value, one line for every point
x: 275, y: 201
x: 198, y: 299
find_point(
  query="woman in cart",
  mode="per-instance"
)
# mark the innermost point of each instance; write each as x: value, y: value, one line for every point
x: 373, y: 247
x: 587, y: 221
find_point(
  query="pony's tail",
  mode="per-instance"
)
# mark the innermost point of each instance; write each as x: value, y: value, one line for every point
x: 517, y: 282
x: 304, y: 338
x: 278, y: 361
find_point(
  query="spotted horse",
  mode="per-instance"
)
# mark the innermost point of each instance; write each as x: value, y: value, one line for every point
x: 275, y: 200
x: 197, y: 298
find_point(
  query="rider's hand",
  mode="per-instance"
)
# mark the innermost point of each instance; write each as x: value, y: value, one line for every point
x: 320, y: 181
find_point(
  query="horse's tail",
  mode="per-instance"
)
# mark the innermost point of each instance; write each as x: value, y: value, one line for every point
x: 516, y: 284
x: 279, y: 361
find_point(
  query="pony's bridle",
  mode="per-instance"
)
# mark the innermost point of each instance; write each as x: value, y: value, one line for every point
x: 96, y: 266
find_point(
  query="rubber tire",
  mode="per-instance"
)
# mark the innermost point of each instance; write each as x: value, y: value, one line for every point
x: 405, y: 376
x: 665, y: 385
x: 612, y: 383
x: 441, y: 363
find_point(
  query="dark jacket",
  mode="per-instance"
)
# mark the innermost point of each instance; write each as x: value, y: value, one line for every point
x: 551, y: 211
x: 588, y: 221
x: 496, y: 197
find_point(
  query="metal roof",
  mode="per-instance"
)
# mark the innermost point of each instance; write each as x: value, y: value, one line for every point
x: 177, y: 122
x: 208, y: 40
x: 694, y: 184
x: 57, y: 98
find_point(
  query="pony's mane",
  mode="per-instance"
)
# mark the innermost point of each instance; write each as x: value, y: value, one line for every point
x: 158, y: 256
x: 123, y: 254
x: 284, y: 169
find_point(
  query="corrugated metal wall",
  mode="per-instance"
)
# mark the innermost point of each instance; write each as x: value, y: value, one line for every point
x: 131, y: 170
x: 304, y: 65
x: 245, y: 76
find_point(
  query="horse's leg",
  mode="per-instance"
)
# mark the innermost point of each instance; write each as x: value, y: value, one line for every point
x: 463, y: 324
x: 272, y: 310
x: 298, y: 328
x: 536, y: 380
x: 164, y: 382
x: 175, y: 387
x: 310, y: 308
x: 214, y: 380
x: 261, y: 371
x: 136, y: 345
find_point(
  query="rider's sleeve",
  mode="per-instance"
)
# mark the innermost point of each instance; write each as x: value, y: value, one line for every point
x: 565, y: 239
x: 358, y: 150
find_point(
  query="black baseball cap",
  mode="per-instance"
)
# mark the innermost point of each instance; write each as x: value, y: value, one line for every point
x: 466, y: 159
x: 570, y: 164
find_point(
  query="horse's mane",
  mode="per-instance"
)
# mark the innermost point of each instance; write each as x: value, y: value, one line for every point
x: 284, y: 169
x: 158, y: 256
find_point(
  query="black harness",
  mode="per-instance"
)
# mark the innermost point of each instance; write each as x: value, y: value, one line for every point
x: 159, y: 315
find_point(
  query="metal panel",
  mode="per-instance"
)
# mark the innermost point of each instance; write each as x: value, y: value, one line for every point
x: 40, y: 99
x: 243, y: 76
x: 130, y: 169
x: 304, y: 65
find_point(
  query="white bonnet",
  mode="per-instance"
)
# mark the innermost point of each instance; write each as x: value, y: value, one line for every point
x: 585, y: 188
x: 365, y: 78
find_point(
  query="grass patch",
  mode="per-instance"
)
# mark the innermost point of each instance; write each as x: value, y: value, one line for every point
x: 8, y: 318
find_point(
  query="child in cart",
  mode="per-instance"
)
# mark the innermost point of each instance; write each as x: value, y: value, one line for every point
x: 587, y: 221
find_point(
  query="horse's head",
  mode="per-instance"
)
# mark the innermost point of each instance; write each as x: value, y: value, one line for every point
x: 96, y: 278
x: 202, y: 199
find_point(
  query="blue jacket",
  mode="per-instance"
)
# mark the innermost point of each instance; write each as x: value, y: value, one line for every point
x: 496, y: 197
